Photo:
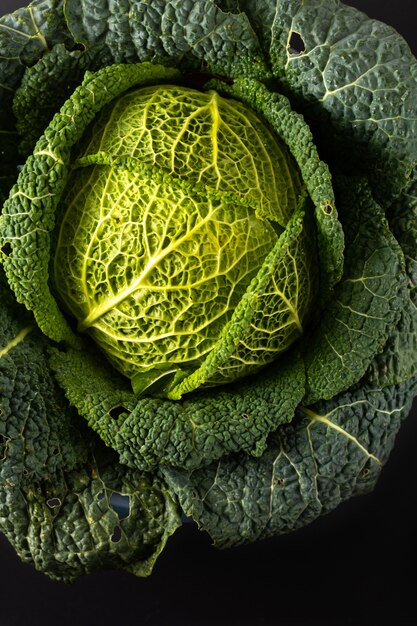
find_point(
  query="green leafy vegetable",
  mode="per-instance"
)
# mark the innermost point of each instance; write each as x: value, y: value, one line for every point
x: 209, y: 264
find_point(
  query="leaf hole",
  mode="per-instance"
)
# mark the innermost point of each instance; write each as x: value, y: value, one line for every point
x: 117, y: 534
x: 7, y: 249
x: 55, y: 451
x: 120, y: 504
x: 296, y: 43
x: 53, y: 503
x: 25, y: 472
x: 100, y: 496
x: 116, y: 411
x: 327, y: 209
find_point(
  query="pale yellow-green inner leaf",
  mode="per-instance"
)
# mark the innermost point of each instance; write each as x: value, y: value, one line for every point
x: 176, y: 200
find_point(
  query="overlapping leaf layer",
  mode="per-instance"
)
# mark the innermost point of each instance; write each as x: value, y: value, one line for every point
x: 257, y: 457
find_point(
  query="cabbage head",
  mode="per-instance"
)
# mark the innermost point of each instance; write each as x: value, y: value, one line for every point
x: 170, y: 244
x: 208, y: 270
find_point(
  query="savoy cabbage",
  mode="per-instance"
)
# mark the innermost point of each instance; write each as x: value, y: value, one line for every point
x: 208, y: 270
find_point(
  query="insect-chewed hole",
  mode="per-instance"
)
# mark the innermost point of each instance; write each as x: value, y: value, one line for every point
x: 327, y: 209
x: 7, y: 248
x: 117, y: 534
x: 116, y: 411
x: 120, y: 504
x: 53, y: 503
x: 296, y: 43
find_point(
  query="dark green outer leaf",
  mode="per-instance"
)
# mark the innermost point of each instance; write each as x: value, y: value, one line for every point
x: 73, y: 528
x: 398, y: 360
x: 367, y: 303
x: 355, y: 81
x: 328, y: 454
x: 37, y: 98
x: 56, y: 479
x: 183, y: 33
x: 186, y: 433
x: 34, y: 447
x: 402, y: 216
x: 25, y: 36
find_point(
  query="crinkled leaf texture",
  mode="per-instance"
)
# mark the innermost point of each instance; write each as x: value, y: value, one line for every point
x: 232, y: 457
x: 174, y: 238
x: 329, y: 453
x: 353, y: 78
x: 58, y: 481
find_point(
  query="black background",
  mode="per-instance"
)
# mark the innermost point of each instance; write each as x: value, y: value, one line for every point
x: 355, y: 566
